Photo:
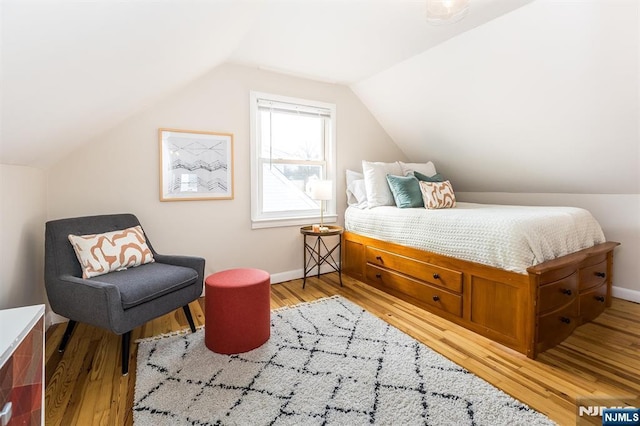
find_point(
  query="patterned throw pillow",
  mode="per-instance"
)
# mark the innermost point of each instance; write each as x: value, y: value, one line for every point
x: 100, y: 254
x: 438, y: 195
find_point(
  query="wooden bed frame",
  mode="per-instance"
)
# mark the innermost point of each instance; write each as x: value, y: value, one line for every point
x: 526, y: 312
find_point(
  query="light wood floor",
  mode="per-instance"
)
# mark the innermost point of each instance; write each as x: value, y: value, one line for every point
x: 84, y: 385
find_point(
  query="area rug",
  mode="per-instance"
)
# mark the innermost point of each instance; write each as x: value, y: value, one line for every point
x: 327, y: 362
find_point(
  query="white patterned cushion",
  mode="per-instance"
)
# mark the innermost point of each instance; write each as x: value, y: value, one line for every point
x: 100, y: 254
x: 438, y: 195
x: 375, y: 182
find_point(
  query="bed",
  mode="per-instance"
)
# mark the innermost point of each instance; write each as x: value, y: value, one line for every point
x: 524, y: 277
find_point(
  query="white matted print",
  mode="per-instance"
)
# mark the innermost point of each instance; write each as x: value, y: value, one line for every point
x: 195, y: 165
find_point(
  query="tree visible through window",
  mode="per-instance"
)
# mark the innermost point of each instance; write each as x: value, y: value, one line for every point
x: 293, y: 144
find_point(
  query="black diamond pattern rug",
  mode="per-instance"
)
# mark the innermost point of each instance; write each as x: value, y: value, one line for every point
x: 327, y: 362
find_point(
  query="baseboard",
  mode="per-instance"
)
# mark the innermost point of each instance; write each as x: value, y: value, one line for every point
x: 52, y: 318
x: 298, y: 273
x: 626, y: 294
x: 281, y: 277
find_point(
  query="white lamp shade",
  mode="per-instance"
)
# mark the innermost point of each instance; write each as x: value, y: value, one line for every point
x: 321, y: 190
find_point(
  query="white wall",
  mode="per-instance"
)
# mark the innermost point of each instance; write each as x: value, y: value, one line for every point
x: 548, y: 93
x: 542, y: 101
x: 118, y: 172
x: 22, y: 217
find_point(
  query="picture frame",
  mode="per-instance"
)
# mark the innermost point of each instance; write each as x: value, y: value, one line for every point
x: 195, y: 165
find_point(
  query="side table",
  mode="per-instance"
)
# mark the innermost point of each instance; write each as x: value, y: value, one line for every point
x: 313, y: 257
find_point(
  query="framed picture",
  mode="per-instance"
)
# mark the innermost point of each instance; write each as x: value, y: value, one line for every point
x: 195, y: 165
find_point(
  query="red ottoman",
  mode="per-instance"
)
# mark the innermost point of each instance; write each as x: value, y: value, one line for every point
x: 237, y: 310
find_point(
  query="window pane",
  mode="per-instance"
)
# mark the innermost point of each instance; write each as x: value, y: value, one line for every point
x: 284, y: 187
x: 291, y: 136
x: 292, y: 143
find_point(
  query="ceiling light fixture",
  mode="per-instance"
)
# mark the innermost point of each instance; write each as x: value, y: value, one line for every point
x: 446, y: 11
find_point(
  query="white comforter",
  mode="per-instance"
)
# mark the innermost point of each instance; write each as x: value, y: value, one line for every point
x: 508, y: 237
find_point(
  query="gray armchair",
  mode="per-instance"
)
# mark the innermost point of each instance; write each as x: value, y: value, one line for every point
x: 117, y: 301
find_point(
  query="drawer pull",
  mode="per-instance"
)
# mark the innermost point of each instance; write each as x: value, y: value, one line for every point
x: 436, y: 298
x: 566, y: 291
x: 565, y: 320
x: 378, y: 275
x: 436, y: 276
x: 379, y: 259
x: 600, y: 298
x: 600, y: 274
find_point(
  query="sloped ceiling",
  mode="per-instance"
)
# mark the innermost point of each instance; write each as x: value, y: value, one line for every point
x: 72, y: 70
x: 543, y: 99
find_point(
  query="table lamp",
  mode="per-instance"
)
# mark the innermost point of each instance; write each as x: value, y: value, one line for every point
x: 321, y: 190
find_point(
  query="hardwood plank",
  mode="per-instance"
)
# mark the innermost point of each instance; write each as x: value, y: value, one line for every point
x: 53, y: 334
x: 78, y: 397
x: 85, y: 386
x: 106, y: 367
x: 59, y: 387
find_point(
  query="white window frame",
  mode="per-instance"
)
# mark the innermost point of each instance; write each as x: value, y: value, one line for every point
x: 261, y: 219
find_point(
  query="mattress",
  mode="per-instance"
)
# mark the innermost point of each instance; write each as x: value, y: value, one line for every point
x: 512, y: 238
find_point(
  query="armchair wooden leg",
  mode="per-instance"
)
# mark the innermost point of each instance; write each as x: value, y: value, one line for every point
x: 126, y: 340
x: 187, y: 313
x: 67, y: 334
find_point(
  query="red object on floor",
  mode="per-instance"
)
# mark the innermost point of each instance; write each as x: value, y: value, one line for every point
x: 237, y: 310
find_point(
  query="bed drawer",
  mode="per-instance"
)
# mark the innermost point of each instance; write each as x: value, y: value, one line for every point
x: 556, y: 326
x: 436, y: 275
x: 558, y: 293
x: 593, y: 276
x: 593, y: 302
x: 427, y: 294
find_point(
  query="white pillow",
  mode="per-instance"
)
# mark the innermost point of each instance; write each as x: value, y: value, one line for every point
x: 375, y: 182
x: 357, y: 194
x: 427, y: 168
x: 353, y: 175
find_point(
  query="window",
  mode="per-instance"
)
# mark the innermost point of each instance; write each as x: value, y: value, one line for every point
x: 292, y: 144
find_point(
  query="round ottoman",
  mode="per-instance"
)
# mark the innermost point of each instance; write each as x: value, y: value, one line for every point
x: 237, y: 310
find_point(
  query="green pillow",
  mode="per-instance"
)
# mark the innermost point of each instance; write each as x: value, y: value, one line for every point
x: 406, y: 191
x: 435, y: 178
